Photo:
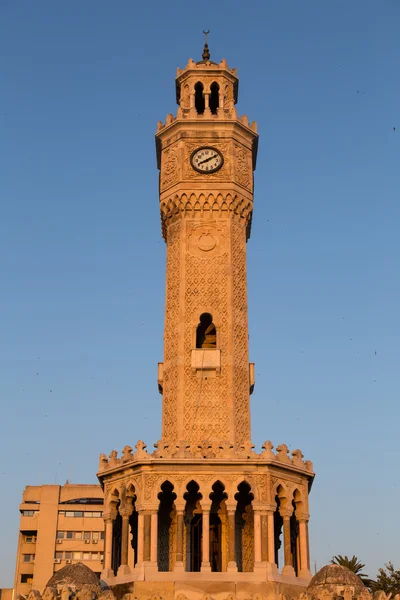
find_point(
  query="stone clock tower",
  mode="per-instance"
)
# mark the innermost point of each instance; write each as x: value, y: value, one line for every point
x: 206, y: 156
x: 204, y: 513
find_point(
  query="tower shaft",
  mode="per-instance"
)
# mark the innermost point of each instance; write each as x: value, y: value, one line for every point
x: 206, y: 158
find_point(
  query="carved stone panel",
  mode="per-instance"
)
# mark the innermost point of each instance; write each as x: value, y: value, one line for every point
x: 243, y: 167
x: 206, y: 240
x: 170, y: 170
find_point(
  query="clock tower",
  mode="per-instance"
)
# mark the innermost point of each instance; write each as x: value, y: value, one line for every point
x: 206, y: 156
x: 205, y: 513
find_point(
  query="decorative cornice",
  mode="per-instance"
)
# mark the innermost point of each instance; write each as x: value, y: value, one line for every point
x: 219, y: 205
x: 212, y: 451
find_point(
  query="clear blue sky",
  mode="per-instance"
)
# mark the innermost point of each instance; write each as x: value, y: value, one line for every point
x: 82, y: 260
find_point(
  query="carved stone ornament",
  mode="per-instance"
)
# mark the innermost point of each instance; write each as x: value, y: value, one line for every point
x: 169, y: 170
x: 206, y: 240
x: 243, y: 170
x: 151, y: 481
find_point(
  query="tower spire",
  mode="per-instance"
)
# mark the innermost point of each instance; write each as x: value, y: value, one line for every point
x: 206, y: 52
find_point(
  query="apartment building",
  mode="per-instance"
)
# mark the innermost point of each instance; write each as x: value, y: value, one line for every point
x: 59, y: 525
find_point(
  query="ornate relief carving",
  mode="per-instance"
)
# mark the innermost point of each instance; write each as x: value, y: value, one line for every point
x: 170, y: 396
x: 240, y: 338
x: 205, y: 409
x: 185, y: 96
x: 228, y: 98
x: 221, y: 205
x: 169, y: 167
x: 243, y: 168
x: 206, y: 240
x: 261, y: 487
x: 151, y: 481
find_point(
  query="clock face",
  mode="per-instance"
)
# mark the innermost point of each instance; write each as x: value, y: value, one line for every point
x: 206, y: 159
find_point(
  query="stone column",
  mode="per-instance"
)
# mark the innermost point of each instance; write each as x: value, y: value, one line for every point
x: 271, y: 536
x: 264, y: 536
x: 205, y: 563
x: 257, y: 537
x: 146, y: 536
x: 179, y: 566
x: 108, y: 534
x: 124, y: 567
x: 140, y: 544
x: 154, y: 537
x: 131, y: 555
x: 304, y: 560
x: 288, y: 568
x: 221, y: 98
x: 232, y: 566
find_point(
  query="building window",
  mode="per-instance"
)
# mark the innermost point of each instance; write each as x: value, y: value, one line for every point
x: 69, y: 535
x: 199, y: 98
x: 60, y: 535
x: 68, y: 555
x: 102, y: 535
x: 77, y: 555
x: 58, y: 555
x: 214, y: 98
x: 26, y: 578
x: 30, y: 539
x: 27, y: 558
x: 86, y: 535
x: 29, y: 513
x: 84, y: 501
x: 80, y: 513
x: 87, y: 556
x: 206, y: 334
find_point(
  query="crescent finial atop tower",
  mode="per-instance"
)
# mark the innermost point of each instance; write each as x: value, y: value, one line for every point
x: 206, y: 52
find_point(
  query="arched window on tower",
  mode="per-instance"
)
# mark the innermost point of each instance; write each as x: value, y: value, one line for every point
x: 214, y: 98
x: 199, y: 98
x: 206, y: 334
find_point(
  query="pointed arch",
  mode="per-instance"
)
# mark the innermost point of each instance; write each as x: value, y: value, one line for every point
x: 166, y: 526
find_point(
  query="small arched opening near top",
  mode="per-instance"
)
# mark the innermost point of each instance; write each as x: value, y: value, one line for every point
x: 206, y: 333
x: 199, y: 98
x: 214, y: 98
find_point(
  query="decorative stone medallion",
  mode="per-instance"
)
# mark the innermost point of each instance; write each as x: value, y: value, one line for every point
x: 205, y: 240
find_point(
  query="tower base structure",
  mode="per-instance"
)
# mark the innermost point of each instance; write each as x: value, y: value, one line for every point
x: 216, y: 521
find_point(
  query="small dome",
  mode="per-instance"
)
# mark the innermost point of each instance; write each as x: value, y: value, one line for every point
x: 77, y: 575
x: 332, y: 576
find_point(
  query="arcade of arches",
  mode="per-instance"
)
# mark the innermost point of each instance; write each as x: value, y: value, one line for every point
x: 211, y: 532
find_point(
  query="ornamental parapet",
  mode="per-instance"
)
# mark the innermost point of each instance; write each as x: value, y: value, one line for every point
x: 222, y: 450
x: 192, y: 114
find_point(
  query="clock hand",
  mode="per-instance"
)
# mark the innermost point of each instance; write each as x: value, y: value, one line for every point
x: 207, y: 159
